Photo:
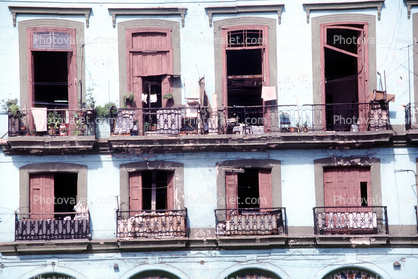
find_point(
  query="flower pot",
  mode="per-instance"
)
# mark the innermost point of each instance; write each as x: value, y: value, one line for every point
x: 305, y: 129
x: 292, y: 129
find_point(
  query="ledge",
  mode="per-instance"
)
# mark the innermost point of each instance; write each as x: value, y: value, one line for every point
x: 49, y: 11
x: 251, y: 242
x: 227, y: 142
x: 412, y: 136
x: 147, y: 11
x: 353, y: 5
x: 184, y: 244
x: 48, y: 145
x: 244, y: 9
x: 409, y: 4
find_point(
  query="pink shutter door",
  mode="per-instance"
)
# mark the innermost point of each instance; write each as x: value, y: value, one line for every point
x: 353, y: 192
x: 231, y: 190
x: 265, y: 189
x: 330, y: 188
x: 364, y: 176
x: 166, y: 88
x: 362, y: 76
x: 72, y: 90
x: 135, y: 192
x: 42, y: 195
x: 170, y: 190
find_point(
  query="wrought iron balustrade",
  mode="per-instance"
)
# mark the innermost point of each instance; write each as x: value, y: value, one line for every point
x: 251, y: 221
x: 52, y: 226
x: 152, y: 224
x: 52, y: 122
x: 351, y: 220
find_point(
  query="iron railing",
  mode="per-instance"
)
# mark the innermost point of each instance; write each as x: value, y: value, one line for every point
x: 52, y: 226
x: 416, y: 217
x: 52, y: 122
x: 251, y: 221
x: 253, y: 119
x: 151, y: 224
x: 351, y: 220
x: 409, y: 120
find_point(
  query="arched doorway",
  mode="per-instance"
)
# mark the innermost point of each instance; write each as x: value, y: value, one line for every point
x: 154, y: 274
x: 351, y: 273
x: 252, y: 274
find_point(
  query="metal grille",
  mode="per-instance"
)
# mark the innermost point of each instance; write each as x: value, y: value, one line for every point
x: 251, y: 221
x: 351, y: 220
x: 152, y: 223
x: 64, y: 225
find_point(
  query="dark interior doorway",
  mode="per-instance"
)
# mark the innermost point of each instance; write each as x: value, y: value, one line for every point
x: 65, y: 188
x: 50, y: 79
x: 248, y: 189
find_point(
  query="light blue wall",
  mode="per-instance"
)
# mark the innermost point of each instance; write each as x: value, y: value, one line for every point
x: 285, y: 263
x: 298, y: 187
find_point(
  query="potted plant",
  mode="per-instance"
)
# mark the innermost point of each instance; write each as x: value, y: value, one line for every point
x: 128, y: 99
x: 305, y: 126
x: 146, y: 126
x: 154, y: 127
x: 15, y: 116
x: 54, y: 120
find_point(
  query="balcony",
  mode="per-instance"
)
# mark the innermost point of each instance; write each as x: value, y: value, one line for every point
x: 52, y: 226
x: 152, y: 224
x: 51, y: 130
x: 351, y: 220
x: 180, y: 129
x: 250, y: 222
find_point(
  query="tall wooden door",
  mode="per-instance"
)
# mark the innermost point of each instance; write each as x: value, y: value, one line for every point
x: 265, y: 189
x: 347, y: 187
x: 42, y: 195
x: 135, y: 192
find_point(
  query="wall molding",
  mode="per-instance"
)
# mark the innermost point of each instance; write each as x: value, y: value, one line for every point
x: 245, y: 9
x: 344, y: 6
x: 147, y: 12
x: 49, y: 11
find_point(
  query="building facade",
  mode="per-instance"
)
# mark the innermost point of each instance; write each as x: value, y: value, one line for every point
x: 208, y: 139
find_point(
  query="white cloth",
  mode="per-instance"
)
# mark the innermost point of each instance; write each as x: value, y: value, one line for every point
x: 144, y: 98
x: 153, y: 98
x: 268, y: 93
x: 39, y: 117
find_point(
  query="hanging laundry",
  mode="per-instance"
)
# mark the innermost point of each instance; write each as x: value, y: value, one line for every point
x: 145, y: 98
x: 153, y: 98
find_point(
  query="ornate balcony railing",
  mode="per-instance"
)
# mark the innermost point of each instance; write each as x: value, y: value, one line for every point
x: 255, y: 120
x: 251, y: 221
x: 351, y: 220
x: 152, y: 224
x: 52, y: 122
x: 52, y: 226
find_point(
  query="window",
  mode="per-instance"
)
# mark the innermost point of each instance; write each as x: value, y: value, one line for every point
x: 52, y: 193
x: 151, y: 186
x: 248, y: 188
x: 347, y: 186
x: 151, y: 190
x: 252, y: 274
x: 337, y: 40
x: 345, y: 73
x: 49, y: 193
x: 50, y: 63
x: 244, y: 63
x: 348, y: 197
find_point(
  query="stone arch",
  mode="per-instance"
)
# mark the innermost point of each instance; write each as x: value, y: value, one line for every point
x: 50, y: 271
x: 266, y: 269
x: 154, y: 274
x: 352, y: 272
x: 149, y: 270
x: 252, y: 273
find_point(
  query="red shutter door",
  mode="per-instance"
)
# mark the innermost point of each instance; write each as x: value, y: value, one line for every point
x: 42, y: 195
x: 265, y: 189
x: 135, y: 192
x: 342, y: 186
x: 170, y: 190
x: 231, y: 190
